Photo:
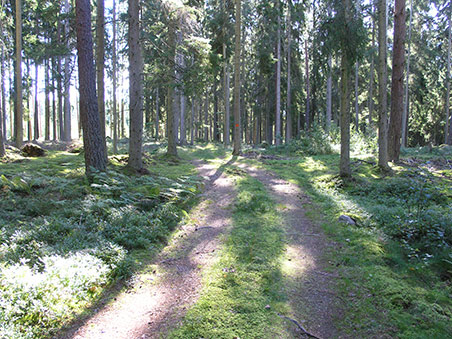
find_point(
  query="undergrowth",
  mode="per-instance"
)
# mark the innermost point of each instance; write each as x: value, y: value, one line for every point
x: 64, y: 240
x: 400, y: 283
x: 242, y: 290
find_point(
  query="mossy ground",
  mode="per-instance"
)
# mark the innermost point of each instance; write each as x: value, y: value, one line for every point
x: 396, y: 276
x: 243, y: 290
x: 54, y: 224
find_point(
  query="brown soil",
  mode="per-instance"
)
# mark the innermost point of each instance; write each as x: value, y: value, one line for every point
x: 160, y: 298
x: 309, y: 286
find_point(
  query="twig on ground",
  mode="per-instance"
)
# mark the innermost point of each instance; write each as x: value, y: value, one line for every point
x: 299, y: 326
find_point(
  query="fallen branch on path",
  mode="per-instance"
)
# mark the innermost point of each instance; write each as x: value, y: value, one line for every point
x: 298, y: 325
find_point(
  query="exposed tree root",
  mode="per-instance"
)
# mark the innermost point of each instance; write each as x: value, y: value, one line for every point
x: 299, y: 326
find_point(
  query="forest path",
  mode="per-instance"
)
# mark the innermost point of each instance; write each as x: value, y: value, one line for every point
x: 308, y: 286
x: 159, y: 299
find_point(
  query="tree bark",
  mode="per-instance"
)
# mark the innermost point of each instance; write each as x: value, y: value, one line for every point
x: 344, y: 166
x: 382, y: 87
x: 135, y: 88
x: 238, y: 22
x: 100, y: 63
x: 345, y: 118
x: 172, y: 127
x: 183, y: 131
x: 18, y: 127
x: 356, y: 97
x: 329, y: 94
x: 54, y: 103
x: 157, y: 113
x: 67, y: 81
x: 114, y: 58
x: 36, y: 113
x: 60, y: 88
x: 289, y: 89
x: 206, y: 116
x: 407, y: 78
x: 123, y: 123
x: 448, y: 133
x: 372, y: 70
x: 47, y: 101
x: 2, y: 89
x: 398, y: 66
x: 95, y: 153
x: 227, y: 114
x: 308, y: 87
x: 2, y: 104
x: 192, y: 122
x: 278, y: 79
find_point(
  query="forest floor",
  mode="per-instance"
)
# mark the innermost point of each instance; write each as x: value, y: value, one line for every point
x: 162, y: 294
x: 253, y: 249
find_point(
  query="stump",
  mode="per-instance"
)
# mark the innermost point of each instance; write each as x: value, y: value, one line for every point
x: 31, y: 150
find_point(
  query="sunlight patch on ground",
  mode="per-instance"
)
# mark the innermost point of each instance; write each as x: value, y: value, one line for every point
x: 296, y: 262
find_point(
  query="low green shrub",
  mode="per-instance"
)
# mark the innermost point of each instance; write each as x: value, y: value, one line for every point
x: 64, y: 239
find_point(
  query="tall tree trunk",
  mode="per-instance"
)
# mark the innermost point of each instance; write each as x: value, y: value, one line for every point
x: 18, y: 127
x: 172, y: 127
x: 407, y: 85
x: 238, y: 23
x: 227, y: 111
x: 329, y: 94
x: 308, y: 87
x: 382, y: 87
x: 289, y: 64
x: 345, y: 118
x: 95, y: 152
x: 216, y: 132
x: 372, y: 73
x: 54, y: 103
x: 100, y: 64
x: 47, y: 101
x: 136, y: 88
x: 2, y: 89
x: 147, y: 111
x: 157, y: 113
x: 67, y: 81
x: 344, y: 166
x: 398, y: 66
x: 192, y: 122
x: 448, y: 115
x: 2, y: 123
x: 278, y: 79
x: 206, y: 116
x: 114, y: 58
x: 2, y: 104
x: 60, y: 88
x: 28, y: 91
x: 36, y: 113
x: 183, y: 132
x: 356, y: 97
x: 123, y: 123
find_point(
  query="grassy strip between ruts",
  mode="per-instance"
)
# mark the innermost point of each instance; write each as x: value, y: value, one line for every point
x: 387, y: 292
x: 242, y: 291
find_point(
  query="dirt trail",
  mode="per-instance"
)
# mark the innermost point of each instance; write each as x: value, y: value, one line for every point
x: 160, y: 299
x: 309, y: 288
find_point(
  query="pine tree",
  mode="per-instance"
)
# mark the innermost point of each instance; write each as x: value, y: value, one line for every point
x: 237, y: 134
x: 135, y: 88
x: 95, y: 152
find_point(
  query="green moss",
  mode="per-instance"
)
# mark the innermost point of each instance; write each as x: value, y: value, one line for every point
x: 51, y: 217
x: 243, y: 289
x: 393, y: 282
